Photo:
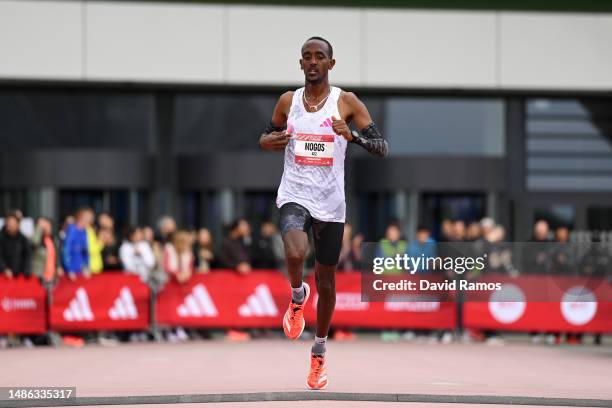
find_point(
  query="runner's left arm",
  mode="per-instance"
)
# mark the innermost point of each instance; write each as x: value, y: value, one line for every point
x: 368, y: 137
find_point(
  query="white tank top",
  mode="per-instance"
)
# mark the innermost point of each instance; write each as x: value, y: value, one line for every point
x: 313, y: 175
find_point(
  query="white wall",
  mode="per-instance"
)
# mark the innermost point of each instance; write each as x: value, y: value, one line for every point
x: 429, y: 48
x: 41, y: 39
x: 561, y: 51
x: 264, y: 42
x: 220, y: 44
x: 154, y: 42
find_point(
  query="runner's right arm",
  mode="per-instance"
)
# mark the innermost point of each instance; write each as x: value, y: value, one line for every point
x: 275, y: 137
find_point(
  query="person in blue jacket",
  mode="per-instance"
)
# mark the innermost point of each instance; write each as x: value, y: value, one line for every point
x: 75, y: 251
x: 423, y: 246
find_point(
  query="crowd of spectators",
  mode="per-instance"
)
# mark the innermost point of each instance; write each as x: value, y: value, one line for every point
x: 546, y: 251
x: 87, y: 244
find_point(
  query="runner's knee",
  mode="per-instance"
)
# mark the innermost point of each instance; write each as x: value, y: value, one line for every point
x: 326, y: 285
x: 294, y: 254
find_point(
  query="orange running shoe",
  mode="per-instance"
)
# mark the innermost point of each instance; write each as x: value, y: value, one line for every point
x: 293, y: 322
x: 317, y: 377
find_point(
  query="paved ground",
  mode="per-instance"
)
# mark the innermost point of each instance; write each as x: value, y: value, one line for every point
x: 365, y: 366
x: 318, y: 404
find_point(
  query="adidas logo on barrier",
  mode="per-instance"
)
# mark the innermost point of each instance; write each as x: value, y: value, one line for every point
x: 198, y: 303
x: 79, y: 309
x: 259, y: 303
x: 124, y: 307
x: 326, y: 123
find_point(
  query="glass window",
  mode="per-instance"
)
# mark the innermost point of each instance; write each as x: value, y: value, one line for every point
x: 75, y: 119
x: 569, y: 144
x: 558, y: 215
x: 212, y: 122
x: 599, y: 218
x: 437, y: 126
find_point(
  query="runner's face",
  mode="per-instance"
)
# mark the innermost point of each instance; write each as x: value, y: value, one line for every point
x: 315, y: 61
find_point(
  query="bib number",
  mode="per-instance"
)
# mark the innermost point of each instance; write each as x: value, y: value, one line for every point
x: 314, y: 150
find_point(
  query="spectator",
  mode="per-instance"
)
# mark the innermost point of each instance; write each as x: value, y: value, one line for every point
x: 536, y: 253
x: 392, y: 245
x: 562, y: 258
x: 234, y: 252
x: 14, y: 249
x: 110, y: 251
x: 247, y: 238
x: 166, y: 227
x: 356, y: 245
x: 45, y: 258
x: 486, y: 225
x: 203, y: 250
x: 350, y: 252
x: 105, y: 221
x: 149, y: 236
x: 268, y: 247
x: 499, y: 254
x: 95, y: 247
x: 473, y: 232
x: 178, y: 263
x: 75, y: 251
x: 178, y: 257
x: 458, y: 233
x: 424, y: 245
x: 66, y: 222
x: 446, y: 229
x: 136, y: 254
x: 346, y: 260
x: 597, y: 262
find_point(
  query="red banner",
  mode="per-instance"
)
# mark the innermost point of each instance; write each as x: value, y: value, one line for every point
x: 352, y: 312
x: 109, y: 301
x: 544, y: 303
x: 22, y: 306
x: 226, y: 299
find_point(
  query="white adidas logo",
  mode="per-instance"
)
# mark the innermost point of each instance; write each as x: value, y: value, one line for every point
x: 124, y: 307
x: 78, y: 309
x: 198, y: 303
x: 259, y: 303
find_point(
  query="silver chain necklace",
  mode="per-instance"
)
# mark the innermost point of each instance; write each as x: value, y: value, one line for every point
x: 315, y: 107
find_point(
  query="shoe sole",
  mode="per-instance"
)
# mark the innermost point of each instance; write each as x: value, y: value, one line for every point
x: 317, y: 388
x: 306, y: 296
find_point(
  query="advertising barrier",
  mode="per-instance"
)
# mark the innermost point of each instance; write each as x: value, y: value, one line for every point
x: 393, y: 313
x: 109, y: 301
x: 22, y: 306
x: 573, y: 304
x: 226, y: 299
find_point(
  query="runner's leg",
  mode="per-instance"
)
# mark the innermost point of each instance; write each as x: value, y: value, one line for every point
x: 296, y: 247
x: 295, y: 221
x: 325, y: 277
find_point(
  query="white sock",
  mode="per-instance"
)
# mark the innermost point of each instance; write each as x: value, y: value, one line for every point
x: 319, y: 345
x: 297, y: 294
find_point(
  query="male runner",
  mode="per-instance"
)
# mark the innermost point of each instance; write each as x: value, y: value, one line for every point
x: 311, y: 125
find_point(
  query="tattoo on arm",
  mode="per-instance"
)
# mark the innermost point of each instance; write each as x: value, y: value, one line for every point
x: 372, y: 140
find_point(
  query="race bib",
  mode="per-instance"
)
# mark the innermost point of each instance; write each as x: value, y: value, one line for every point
x: 314, y: 150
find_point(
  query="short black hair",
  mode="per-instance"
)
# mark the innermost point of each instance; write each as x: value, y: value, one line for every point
x: 329, y: 46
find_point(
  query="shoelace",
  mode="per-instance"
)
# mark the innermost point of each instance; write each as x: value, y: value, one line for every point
x: 316, y: 366
x: 296, y: 313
